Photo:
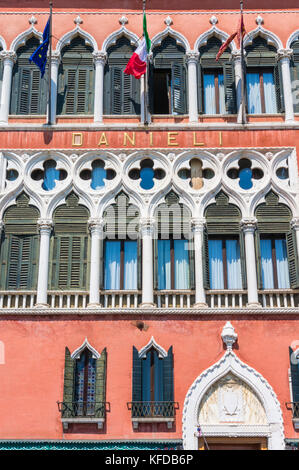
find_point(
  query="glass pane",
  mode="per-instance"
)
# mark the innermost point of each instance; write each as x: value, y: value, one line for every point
x: 181, y: 265
x: 253, y: 93
x: 164, y: 269
x: 216, y: 264
x: 112, y: 265
x: 130, y: 265
x: 269, y: 93
x: 267, y: 264
x: 233, y: 259
x: 283, y: 277
x: 209, y: 93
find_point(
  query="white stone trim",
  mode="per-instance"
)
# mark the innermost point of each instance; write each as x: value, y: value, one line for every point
x: 231, y: 363
x: 21, y: 39
x: 168, y: 31
x: 213, y: 31
x: 113, y: 37
x: 152, y: 344
x: 76, y: 354
x: 270, y: 37
x: 77, y: 31
x: 293, y: 37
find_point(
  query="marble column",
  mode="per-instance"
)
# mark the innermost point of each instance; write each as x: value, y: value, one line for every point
x: 192, y: 61
x: 45, y: 228
x: 96, y: 227
x: 9, y: 58
x: 284, y: 56
x: 99, y: 61
x: 198, y: 226
x: 147, y: 229
x: 248, y: 226
x: 236, y: 55
x: 55, y: 61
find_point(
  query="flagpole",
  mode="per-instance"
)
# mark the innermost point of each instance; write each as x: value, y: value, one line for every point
x: 243, y: 104
x: 145, y: 75
x: 49, y: 67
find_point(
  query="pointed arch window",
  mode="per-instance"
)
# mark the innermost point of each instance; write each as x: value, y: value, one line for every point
x: 29, y: 90
x: 69, y: 249
x: 174, y: 254
x: 121, y: 91
x: 216, y: 81
x: 20, y: 246
x: 76, y: 79
x: 276, y: 246
x: 263, y: 78
x: 224, y: 246
x: 167, y: 78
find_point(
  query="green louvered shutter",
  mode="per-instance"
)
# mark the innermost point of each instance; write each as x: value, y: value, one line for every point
x: 292, y: 259
x: 295, y: 74
x: 139, y: 264
x: 101, y: 368
x: 136, y: 377
x: 68, y: 384
x: 230, y: 89
x: 168, y: 392
x: 205, y: 257
x: 192, y: 264
x: 200, y: 89
x: 278, y: 88
x: 116, y: 90
x: 258, y: 260
x: 243, y: 260
x: 155, y: 264
x: 178, y: 89
x: 294, y: 376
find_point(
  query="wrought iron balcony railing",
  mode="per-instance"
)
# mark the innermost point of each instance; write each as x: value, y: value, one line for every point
x: 152, y: 409
x: 82, y: 409
x: 294, y: 406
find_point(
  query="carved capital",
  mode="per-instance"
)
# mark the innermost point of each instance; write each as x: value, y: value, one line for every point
x: 96, y: 225
x: 55, y: 58
x: 45, y: 225
x: 248, y: 224
x: 1, y: 226
x: 198, y: 224
x: 8, y: 55
x: 147, y: 226
x: 295, y: 223
x: 284, y: 54
x: 99, y: 57
x: 192, y: 57
x: 236, y: 55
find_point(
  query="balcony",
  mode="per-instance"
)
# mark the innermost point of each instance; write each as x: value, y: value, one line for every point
x: 120, y: 299
x: 83, y: 412
x: 279, y: 298
x: 152, y: 412
x: 294, y: 407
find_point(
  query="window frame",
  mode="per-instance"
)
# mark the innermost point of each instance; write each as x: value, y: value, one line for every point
x: 224, y: 238
x: 122, y: 264
x: 273, y: 237
x: 172, y: 262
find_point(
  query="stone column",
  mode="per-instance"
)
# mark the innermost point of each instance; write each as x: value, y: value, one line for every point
x: 96, y: 227
x: 55, y: 61
x: 192, y: 61
x: 147, y: 235
x: 45, y: 228
x: 284, y: 55
x: 295, y: 227
x: 99, y: 61
x: 9, y: 58
x: 198, y: 226
x: 248, y: 226
x: 236, y: 55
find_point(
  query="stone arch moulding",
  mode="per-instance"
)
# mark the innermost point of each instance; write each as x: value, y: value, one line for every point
x: 293, y: 37
x: 3, y: 43
x: 213, y: 31
x: 168, y: 31
x: 76, y: 354
x: 152, y: 344
x: 77, y: 31
x: 270, y: 37
x: 229, y: 362
x: 113, y: 37
x: 21, y: 39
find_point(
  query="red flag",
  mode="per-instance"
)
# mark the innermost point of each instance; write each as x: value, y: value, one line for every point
x: 225, y: 46
x: 241, y: 31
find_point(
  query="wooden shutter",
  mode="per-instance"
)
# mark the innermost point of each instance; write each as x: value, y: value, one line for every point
x: 258, y: 260
x: 278, y: 88
x: 295, y: 73
x: 139, y: 264
x: 260, y: 54
x: 273, y: 217
x: 205, y: 257
x: 172, y: 216
x: 294, y: 377
x: 116, y: 90
x: 222, y: 217
x: 121, y: 219
x: 200, y: 89
x: 155, y: 264
x: 230, y: 88
x: 292, y: 259
x: 178, y: 88
x: 191, y: 263
x: 136, y: 376
x: 101, y: 367
x: 68, y: 385
x: 243, y: 260
x: 168, y: 392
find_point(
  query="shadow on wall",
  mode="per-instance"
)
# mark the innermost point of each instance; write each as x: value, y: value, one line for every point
x: 120, y: 5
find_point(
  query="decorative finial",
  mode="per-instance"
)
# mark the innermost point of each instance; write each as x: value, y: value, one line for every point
x: 32, y: 20
x: 78, y: 20
x: 228, y: 335
x: 213, y: 20
x: 259, y: 20
x: 123, y: 20
x: 168, y: 21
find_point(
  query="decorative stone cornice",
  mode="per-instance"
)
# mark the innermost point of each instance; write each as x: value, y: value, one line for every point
x: 284, y: 54
x: 228, y: 335
x: 99, y: 57
x: 248, y: 224
x: 192, y: 57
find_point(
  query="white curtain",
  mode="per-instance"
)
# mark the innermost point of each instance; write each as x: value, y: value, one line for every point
x: 234, y: 273
x: 130, y: 265
x: 269, y: 93
x: 222, y: 109
x: 181, y: 264
x: 282, y: 264
x: 164, y: 271
x: 112, y: 265
x: 216, y: 264
x: 253, y: 93
x: 267, y: 264
x: 209, y: 93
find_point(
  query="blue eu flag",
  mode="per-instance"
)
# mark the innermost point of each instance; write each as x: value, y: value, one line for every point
x: 39, y: 57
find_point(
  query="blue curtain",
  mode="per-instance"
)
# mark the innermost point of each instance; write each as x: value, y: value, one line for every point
x: 253, y: 93
x: 209, y: 93
x: 222, y: 109
x: 97, y: 177
x: 269, y: 93
x: 130, y: 265
x: 51, y: 174
x: 234, y: 273
x: 216, y: 264
x: 181, y: 265
x: 112, y: 265
x: 164, y: 270
x: 282, y: 264
x: 267, y: 264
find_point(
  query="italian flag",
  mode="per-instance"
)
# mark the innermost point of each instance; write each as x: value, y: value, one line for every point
x: 137, y: 64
